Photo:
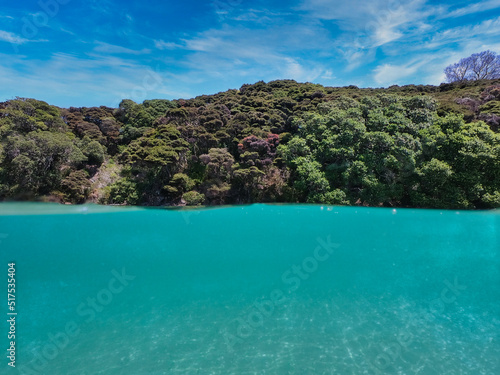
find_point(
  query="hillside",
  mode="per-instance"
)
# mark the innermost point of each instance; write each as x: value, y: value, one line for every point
x: 282, y: 141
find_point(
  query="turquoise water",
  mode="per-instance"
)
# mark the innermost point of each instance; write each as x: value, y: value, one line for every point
x: 261, y: 289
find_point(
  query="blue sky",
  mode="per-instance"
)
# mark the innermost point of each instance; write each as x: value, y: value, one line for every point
x: 96, y: 52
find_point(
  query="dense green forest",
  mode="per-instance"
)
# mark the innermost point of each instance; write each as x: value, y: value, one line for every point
x: 282, y: 141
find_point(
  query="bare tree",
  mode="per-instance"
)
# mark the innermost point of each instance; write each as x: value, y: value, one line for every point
x: 483, y: 65
x: 459, y: 71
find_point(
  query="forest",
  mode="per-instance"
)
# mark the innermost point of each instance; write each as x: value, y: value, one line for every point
x: 281, y: 141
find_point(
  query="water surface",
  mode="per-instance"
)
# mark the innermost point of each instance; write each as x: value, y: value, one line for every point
x: 261, y: 289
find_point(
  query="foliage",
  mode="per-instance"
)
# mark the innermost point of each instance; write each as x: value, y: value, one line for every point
x: 123, y: 191
x: 193, y: 198
x: 76, y: 186
x: 281, y: 141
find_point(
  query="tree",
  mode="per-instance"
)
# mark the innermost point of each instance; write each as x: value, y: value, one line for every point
x: 33, y: 164
x: 76, y: 186
x: 483, y: 65
x: 458, y: 72
x: 275, y: 142
x: 193, y: 198
x: 219, y: 173
x: 310, y: 180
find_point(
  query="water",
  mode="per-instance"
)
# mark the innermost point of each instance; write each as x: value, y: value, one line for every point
x: 262, y: 289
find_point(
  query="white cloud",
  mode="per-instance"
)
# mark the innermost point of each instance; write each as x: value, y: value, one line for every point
x: 386, y: 34
x: 435, y: 78
x: 428, y: 68
x: 207, y: 43
x: 360, y: 15
x: 473, y: 8
x: 486, y: 29
x: 67, y: 80
x: 102, y: 6
x: 318, y: 38
x: 259, y: 16
x: 16, y: 40
x: 160, y: 44
x: 294, y: 70
x: 367, y: 27
x: 113, y: 49
x: 351, y: 13
x: 389, y: 74
x: 234, y: 53
x: 328, y: 75
x: 9, y: 37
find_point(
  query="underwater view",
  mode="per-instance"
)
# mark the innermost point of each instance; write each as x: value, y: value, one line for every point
x: 229, y: 187
x: 257, y: 289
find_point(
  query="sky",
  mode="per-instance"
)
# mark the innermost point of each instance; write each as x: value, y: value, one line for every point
x: 98, y: 52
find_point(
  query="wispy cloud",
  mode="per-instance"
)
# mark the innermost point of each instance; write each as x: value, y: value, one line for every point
x: 484, y: 29
x: 113, y: 49
x: 245, y: 51
x: 389, y: 74
x: 425, y: 62
x: 363, y: 16
x: 101, y: 80
x: 476, y: 7
x: 102, y: 6
x: 327, y: 75
x: 295, y: 70
x: 9, y: 37
x: 259, y: 16
x: 162, y: 45
x: 368, y: 27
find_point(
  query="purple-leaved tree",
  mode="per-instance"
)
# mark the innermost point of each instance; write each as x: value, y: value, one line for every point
x: 482, y: 65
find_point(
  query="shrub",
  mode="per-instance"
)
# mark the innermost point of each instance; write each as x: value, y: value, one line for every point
x: 193, y: 198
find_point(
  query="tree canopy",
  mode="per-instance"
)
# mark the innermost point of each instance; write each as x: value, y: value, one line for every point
x: 281, y: 141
